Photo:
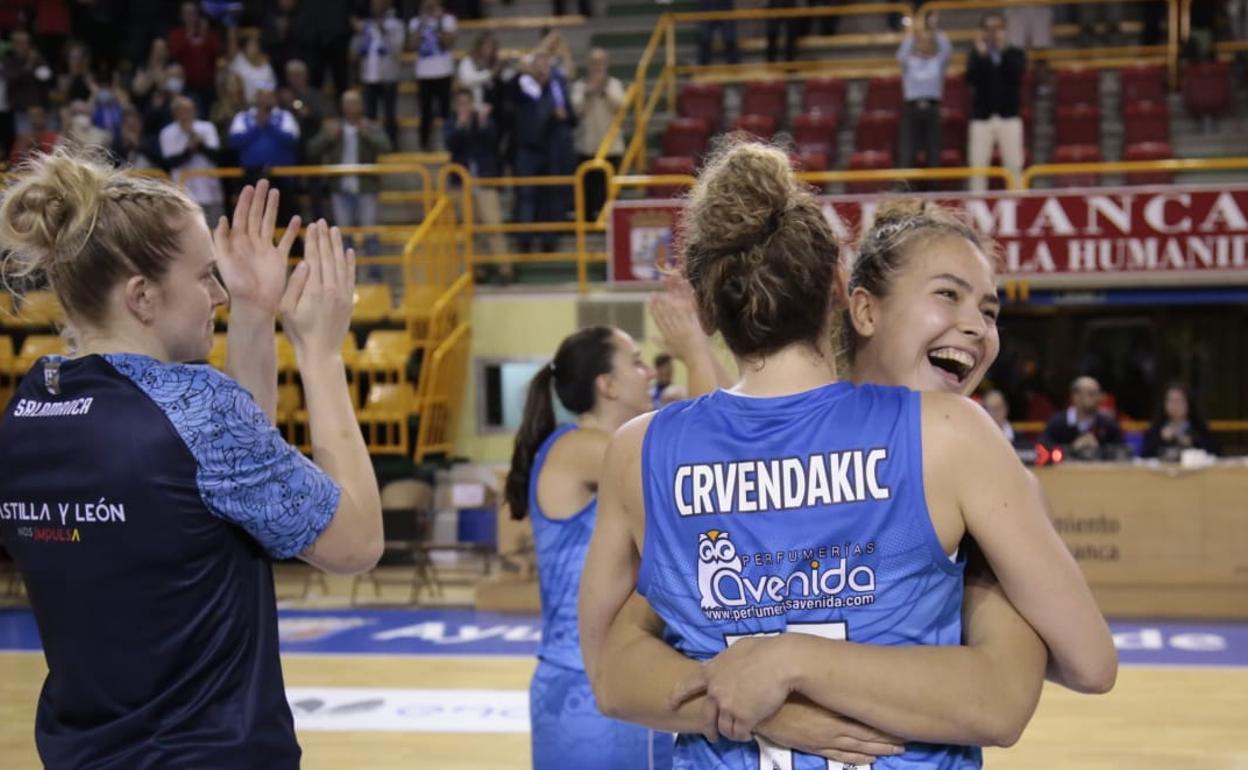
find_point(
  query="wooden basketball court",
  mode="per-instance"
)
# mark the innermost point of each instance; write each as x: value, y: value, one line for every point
x: 1157, y: 717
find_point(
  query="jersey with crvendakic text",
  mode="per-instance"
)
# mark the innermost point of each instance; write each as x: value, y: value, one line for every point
x: 800, y: 514
x: 143, y: 503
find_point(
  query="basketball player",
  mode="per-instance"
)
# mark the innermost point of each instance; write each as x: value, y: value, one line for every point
x: 599, y: 375
x: 811, y: 507
x: 144, y: 497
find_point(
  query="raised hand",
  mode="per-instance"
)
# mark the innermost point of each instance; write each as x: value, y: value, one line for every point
x: 676, y: 314
x: 741, y: 685
x: 252, y: 266
x: 316, y: 307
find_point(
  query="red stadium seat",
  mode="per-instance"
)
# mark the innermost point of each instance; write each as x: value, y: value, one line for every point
x: 1149, y: 151
x: 877, y: 130
x: 686, y: 136
x: 766, y: 97
x: 1145, y: 122
x: 1078, y: 124
x: 956, y: 95
x: 869, y: 159
x: 1207, y: 88
x: 761, y: 126
x: 1029, y: 87
x: 670, y: 165
x: 1077, y: 153
x: 1142, y: 83
x: 809, y: 161
x: 817, y: 131
x: 953, y: 129
x: 824, y: 95
x: 883, y: 93
x: 1081, y: 86
x: 703, y: 100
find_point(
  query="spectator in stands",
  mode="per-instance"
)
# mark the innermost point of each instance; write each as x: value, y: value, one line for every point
x: 77, y: 83
x: 265, y: 135
x: 999, y: 410
x: 229, y: 103
x: 378, y: 43
x: 432, y: 36
x: 595, y: 100
x: 133, y: 148
x: 792, y: 29
x: 28, y: 78
x: 1087, y: 432
x: 253, y: 67
x: 151, y: 76
x: 38, y: 138
x: 472, y: 139
x: 562, y: 60
x: 478, y: 71
x: 924, y: 56
x: 353, y: 139
x: 301, y: 99
x: 51, y: 27
x: 539, y: 115
x: 78, y: 128
x: 196, y: 47
x: 583, y: 7
x: 108, y: 107
x: 321, y: 31
x: 727, y: 33
x: 189, y: 144
x: 1177, y: 427
x: 158, y: 112
x: 994, y: 70
x: 277, y: 34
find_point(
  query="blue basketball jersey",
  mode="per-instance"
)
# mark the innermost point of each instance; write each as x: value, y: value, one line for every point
x: 561, y: 545
x: 143, y: 503
x: 802, y: 514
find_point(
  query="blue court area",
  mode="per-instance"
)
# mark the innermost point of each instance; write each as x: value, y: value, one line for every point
x: 467, y: 632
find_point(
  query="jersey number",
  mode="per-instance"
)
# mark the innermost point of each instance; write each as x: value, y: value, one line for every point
x: 771, y: 756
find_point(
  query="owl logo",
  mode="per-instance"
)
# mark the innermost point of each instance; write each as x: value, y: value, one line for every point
x: 716, y: 555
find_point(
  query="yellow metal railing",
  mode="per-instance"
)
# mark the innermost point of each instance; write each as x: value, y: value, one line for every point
x: 440, y: 409
x: 1132, y: 166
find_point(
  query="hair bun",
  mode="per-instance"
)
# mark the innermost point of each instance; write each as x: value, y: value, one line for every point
x: 744, y: 193
x: 48, y: 210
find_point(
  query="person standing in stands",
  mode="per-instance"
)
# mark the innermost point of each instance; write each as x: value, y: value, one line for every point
x: 432, y: 36
x: 727, y: 33
x: 994, y: 70
x: 924, y: 57
x: 595, y: 100
x: 378, y: 43
x: 472, y: 139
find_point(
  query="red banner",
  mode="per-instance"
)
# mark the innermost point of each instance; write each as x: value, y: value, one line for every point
x: 1133, y: 236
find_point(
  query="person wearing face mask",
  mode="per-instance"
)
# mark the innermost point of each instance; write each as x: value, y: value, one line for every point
x: 994, y: 71
x: 80, y: 130
x: 779, y: 689
x: 1083, y: 429
x: 158, y: 112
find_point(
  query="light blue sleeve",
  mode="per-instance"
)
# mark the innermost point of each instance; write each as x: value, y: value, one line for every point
x: 248, y: 475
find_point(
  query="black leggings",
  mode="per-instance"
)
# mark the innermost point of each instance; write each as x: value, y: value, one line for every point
x: 431, y: 90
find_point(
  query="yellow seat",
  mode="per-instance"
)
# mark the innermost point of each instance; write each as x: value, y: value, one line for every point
x: 38, y: 309
x: 390, y: 400
x: 286, y: 360
x: 384, y: 349
x: 6, y: 357
x: 35, y: 347
x: 418, y: 301
x: 372, y: 303
x: 216, y: 356
x: 289, y: 401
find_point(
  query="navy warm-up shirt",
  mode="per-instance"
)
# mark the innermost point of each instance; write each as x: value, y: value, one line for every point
x: 143, y: 503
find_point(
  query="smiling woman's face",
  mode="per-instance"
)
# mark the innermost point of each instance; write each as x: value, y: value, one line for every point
x: 936, y: 329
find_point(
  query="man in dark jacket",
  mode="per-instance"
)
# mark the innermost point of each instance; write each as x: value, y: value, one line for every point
x: 995, y: 70
x: 471, y: 136
x: 1086, y: 432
